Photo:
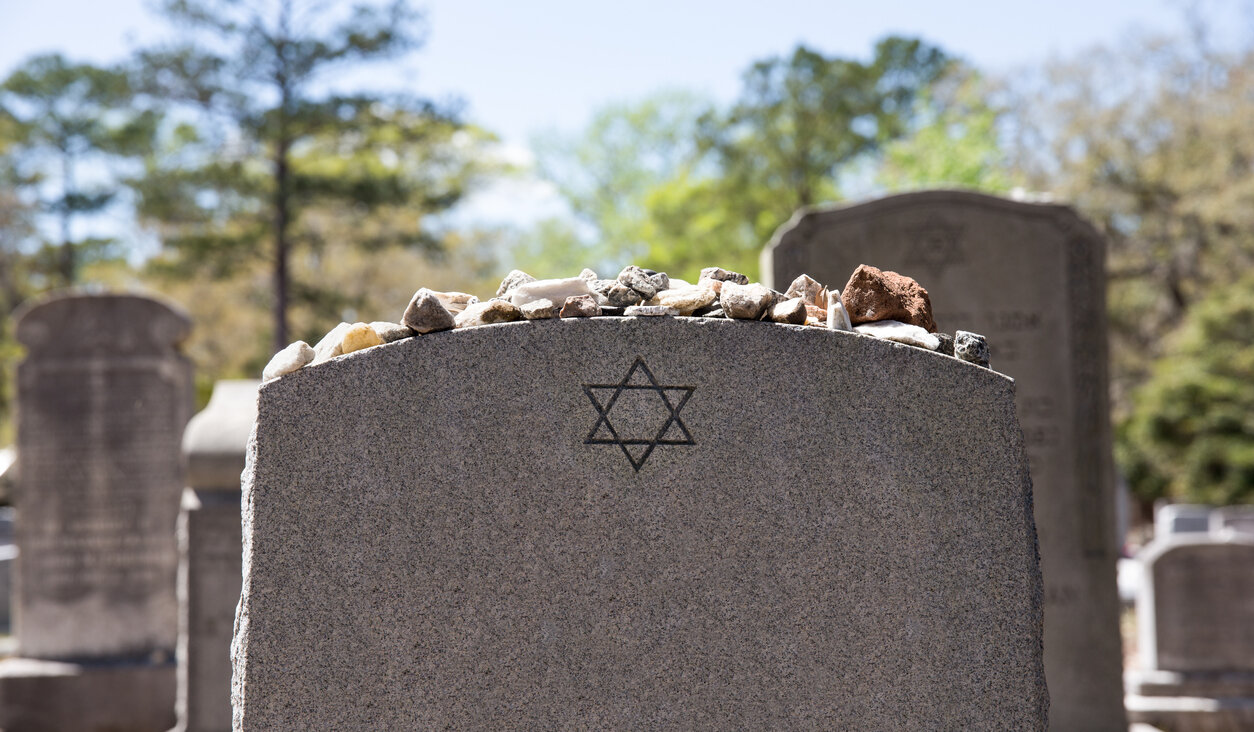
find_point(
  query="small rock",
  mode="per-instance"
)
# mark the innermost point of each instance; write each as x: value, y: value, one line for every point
x: 686, y: 299
x: 580, y: 306
x: 391, y: 332
x: 776, y: 298
x: 455, y: 302
x: 676, y: 283
x: 815, y: 315
x: 792, y: 312
x: 555, y: 290
x: 723, y: 275
x: 946, y: 343
x: 487, y: 313
x: 288, y: 360
x: 971, y: 347
x: 895, y: 330
x: 837, y: 316
x: 745, y: 302
x: 360, y: 336
x: 638, y: 280
x: 426, y: 314
x: 331, y: 344
x: 649, y: 310
x: 619, y: 295
x: 809, y: 290
x: 588, y: 275
x: 515, y: 278
x: 539, y: 309
x: 873, y: 294
x: 659, y: 280
x: 712, y: 313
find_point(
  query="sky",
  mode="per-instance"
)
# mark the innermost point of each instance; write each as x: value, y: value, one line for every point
x: 523, y: 67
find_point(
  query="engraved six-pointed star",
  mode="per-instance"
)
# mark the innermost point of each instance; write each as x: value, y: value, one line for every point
x: 638, y: 414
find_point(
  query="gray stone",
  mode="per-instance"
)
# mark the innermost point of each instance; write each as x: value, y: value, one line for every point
x: 555, y: 290
x: 745, y: 302
x: 723, y: 275
x: 619, y: 295
x: 636, y: 279
x: 1029, y: 277
x: 488, y: 313
x: 588, y: 275
x: 650, y: 311
x: 455, y: 302
x: 791, y: 311
x: 391, y: 332
x: 946, y: 343
x: 210, y: 546
x: 478, y: 577
x: 427, y: 314
x: 295, y: 356
x: 660, y: 280
x: 1195, y: 612
x: 539, y: 309
x: 103, y: 396
x: 580, y: 306
x: 685, y: 299
x: 513, y: 279
x: 837, y: 316
x: 332, y: 344
x: 971, y: 347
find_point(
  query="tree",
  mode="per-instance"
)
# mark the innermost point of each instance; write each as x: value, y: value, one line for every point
x: 64, y: 117
x: 284, y: 143
x: 1190, y: 435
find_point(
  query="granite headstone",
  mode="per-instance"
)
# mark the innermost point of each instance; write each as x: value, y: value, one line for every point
x: 1031, y: 279
x: 103, y: 396
x: 209, y: 554
x: 1195, y: 620
x: 639, y: 523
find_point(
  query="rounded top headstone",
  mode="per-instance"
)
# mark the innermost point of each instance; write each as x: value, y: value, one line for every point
x: 78, y: 324
x: 216, y: 438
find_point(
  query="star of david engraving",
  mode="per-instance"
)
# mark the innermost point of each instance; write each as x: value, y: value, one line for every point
x: 647, y: 416
x: 936, y: 245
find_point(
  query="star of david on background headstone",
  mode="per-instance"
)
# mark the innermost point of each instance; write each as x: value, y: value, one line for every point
x: 654, y: 418
x: 936, y: 245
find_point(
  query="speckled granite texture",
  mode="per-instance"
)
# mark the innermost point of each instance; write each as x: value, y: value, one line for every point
x: 766, y: 527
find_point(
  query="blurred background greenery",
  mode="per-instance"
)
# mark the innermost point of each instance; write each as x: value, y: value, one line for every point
x: 270, y: 204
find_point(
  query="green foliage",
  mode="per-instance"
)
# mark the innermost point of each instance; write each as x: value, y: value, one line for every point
x: 1190, y: 436
x: 269, y: 143
x: 676, y: 184
x: 59, y: 117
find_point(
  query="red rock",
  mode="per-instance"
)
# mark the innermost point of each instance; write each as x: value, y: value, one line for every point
x: 874, y: 294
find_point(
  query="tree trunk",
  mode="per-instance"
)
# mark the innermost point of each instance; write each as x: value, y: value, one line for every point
x: 281, y: 221
x: 66, y: 265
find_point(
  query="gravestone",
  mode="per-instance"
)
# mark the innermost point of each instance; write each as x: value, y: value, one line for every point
x: 639, y: 523
x: 1195, y: 621
x: 209, y: 554
x: 8, y: 554
x: 1030, y: 278
x: 103, y: 396
x: 1181, y: 518
x: 1239, y: 519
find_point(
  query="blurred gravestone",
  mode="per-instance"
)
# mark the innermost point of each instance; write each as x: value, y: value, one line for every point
x: 103, y: 396
x: 1238, y: 519
x: 209, y: 554
x: 639, y: 523
x: 1030, y: 278
x: 1181, y: 518
x: 1195, y: 617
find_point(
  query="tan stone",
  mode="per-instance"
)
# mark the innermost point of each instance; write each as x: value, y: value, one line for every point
x: 359, y: 336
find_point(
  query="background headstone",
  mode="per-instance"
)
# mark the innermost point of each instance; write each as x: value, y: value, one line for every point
x: 1195, y: 619
x: 209, y: 554
x: 1239, y: 519
x: 1181, y: 518
x: 103, y: 396
x: 639, y: 523
x: 8, y: 555
x: 1030, y: 278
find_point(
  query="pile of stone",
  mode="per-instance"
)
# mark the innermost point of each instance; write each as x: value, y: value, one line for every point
x: 876, y: 303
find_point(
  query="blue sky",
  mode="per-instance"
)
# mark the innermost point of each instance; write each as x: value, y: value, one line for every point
x: 528, y: 66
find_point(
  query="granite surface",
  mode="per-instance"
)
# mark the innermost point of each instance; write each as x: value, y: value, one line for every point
x: 639, y: 523
x: 1030, y: 278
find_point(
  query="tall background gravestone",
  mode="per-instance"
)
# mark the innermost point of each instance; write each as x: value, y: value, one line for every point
x: 103, y: 396
x: 209, y: 554
x: 1030, y: 278
x: 639, y: 523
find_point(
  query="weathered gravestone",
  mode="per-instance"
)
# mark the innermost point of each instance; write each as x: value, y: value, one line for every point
x: 103, y: 396
x: 653, y: 522
x: 1195, y: 619
x: 1031, y: 279
x: 209, y: 554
